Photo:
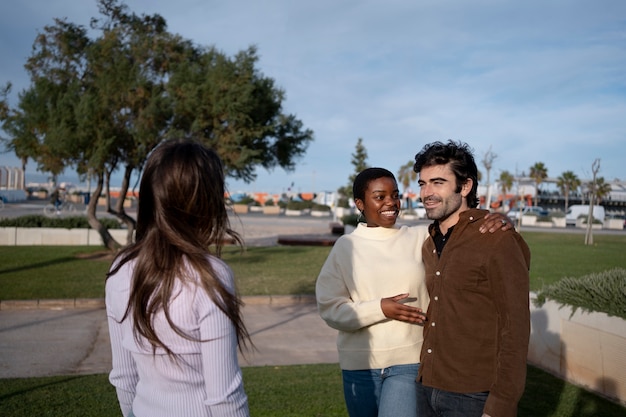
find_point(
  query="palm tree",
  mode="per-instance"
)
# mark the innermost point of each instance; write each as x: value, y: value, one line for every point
x: 538, y: 172
x: 406, y: 175
x: 567, y: 182
x: 602, y: 189
x: 506, y: 183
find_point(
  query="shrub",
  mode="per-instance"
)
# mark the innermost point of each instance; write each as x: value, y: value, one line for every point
x: 74, y: 222
x: 245, y: 200
x: 350, y: 219
x: 269, y: 202
x: 583, y: 217
x: 299, y: 205
x: 601, y: 292
x: 556, y: 215
x: 320, y: 207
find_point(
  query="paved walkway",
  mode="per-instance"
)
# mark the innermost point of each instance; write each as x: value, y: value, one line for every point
x: 62, y: 337
x: 59, y: 337
x: 51, y: 340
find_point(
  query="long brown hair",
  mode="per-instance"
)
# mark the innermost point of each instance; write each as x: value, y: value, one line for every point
x: 181, y: 217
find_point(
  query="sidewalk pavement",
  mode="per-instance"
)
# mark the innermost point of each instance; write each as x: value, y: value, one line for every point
x: 66, y: 337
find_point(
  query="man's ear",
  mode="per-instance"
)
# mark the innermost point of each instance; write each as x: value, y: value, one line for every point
x: 467, y: 187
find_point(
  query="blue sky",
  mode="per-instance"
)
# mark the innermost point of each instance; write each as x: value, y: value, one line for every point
x: 533, y: 81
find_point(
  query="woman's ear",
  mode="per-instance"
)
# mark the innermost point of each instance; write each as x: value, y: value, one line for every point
x: 359, y: 204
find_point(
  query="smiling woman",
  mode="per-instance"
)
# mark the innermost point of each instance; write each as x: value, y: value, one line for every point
x: 376, y: 306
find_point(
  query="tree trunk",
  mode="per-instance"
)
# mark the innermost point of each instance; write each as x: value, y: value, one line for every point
x: 107, y: 186
x: 24, y: 162
x: 108, y: 240
x: 595, y: 167
x: 119, y: 206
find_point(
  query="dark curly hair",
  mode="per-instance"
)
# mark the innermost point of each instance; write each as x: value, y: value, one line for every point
x: 461, y: 159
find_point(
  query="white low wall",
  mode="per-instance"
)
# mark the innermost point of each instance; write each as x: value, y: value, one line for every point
x: 24, y: 236
x: 587, y: 349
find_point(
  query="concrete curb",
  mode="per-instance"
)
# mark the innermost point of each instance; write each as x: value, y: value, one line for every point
x: 52, y: 304
x: 92, y: 303
x: 279, y: 299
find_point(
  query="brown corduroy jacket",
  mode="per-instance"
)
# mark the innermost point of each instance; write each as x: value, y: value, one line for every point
x: 476, y: 337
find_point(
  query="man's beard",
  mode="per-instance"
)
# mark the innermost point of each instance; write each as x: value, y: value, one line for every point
x: 445, y: 208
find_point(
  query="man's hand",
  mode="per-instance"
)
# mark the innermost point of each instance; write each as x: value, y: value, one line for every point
x: 496, y: 221
x: 393, y: 309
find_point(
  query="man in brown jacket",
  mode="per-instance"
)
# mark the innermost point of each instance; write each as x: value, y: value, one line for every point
x: 473, y: 360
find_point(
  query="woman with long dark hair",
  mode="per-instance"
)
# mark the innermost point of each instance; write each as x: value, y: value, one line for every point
x: 174, y: 314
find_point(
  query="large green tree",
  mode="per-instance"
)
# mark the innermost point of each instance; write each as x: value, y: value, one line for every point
x: 233, y: 108
x: 23, y: 132
x: 124, y: 104
x: 101, y: 105
x: 567, y: 182
x: 538, y: 172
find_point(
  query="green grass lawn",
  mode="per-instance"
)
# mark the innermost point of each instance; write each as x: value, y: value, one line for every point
x: 39, y: 272
x: 276, y: 391
x: 558, y: 255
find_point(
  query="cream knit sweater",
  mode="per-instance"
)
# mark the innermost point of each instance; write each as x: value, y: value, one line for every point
x: 363, y: 267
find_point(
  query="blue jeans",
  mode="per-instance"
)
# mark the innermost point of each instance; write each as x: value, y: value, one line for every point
x: 381, y: 392
x: 433, y: 402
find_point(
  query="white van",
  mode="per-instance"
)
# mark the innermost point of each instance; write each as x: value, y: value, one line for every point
x: 573, y: 212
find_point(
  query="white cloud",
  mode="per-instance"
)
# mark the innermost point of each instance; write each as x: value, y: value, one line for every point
x: 536, y: 81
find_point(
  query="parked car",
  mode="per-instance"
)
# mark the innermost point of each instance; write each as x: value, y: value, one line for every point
x: 515, y: 214
x: 419, y: 209
x: 577, y: 210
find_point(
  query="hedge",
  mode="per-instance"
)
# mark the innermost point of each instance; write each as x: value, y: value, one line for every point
x: 74, y: 222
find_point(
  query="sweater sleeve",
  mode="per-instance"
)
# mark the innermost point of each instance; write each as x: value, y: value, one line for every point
x: 123, y: 374
x: 336, y: 305
x: 224, y: 391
